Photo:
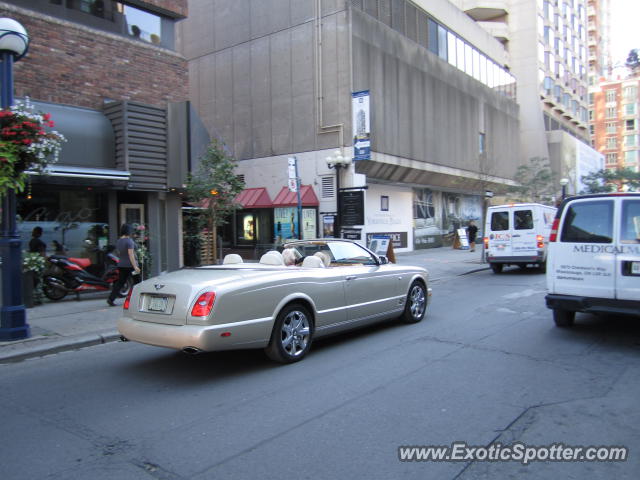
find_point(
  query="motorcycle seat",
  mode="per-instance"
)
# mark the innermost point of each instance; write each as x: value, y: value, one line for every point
x: 83, y: 262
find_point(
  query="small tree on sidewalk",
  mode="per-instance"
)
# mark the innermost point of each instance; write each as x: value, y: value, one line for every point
x: 536, y: 180
x: 215, y: 186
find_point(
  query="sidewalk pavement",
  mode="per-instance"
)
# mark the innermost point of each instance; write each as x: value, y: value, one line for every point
x: 70, y: 324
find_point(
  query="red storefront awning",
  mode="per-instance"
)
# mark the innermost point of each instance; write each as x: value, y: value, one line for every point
x: 248, y: 198
x: 254, y: 198
x: 286, y: 198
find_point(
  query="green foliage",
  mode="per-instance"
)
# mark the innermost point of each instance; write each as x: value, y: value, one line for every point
x: 215, y: 184
x: 602, y: 181
x: 536, y: 181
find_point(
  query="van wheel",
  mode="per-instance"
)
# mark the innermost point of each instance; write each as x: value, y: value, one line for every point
x: 496, y: 267
x: 564, y: 318
x: 543, y: 267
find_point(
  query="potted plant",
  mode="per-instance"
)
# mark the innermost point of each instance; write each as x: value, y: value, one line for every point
x: 32, y: 267
x: 25, y: 145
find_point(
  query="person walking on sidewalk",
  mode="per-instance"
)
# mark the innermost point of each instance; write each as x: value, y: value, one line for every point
x: 127, y: 265
x: 472, y: 231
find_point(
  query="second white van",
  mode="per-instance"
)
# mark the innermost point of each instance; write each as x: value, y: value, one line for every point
x: 517, y: 234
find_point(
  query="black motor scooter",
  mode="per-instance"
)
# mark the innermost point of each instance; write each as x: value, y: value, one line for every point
x: 77, y: 275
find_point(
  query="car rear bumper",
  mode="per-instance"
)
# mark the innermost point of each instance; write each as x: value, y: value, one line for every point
x: 592, y: 305
x: 516, y: 259
x: 206, y: 338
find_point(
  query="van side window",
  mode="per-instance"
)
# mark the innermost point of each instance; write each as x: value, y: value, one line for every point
x: 630, y: 221
x: 523, y: 219
x: 499, y: 221
x: 588, y: 222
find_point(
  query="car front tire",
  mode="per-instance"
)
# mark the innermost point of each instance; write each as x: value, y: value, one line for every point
x: 292, y: 335
x: 564, y: 318
x: 416, y: 303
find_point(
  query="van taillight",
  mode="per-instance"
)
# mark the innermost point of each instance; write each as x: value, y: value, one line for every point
x: 554, y: 230
x: 127, y: 300
x: 540, y: 241
x: 486, y: 243
x: 203, y: 305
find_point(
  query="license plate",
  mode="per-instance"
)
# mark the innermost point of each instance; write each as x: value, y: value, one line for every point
x: 635, y: 268
x: 157, y: 304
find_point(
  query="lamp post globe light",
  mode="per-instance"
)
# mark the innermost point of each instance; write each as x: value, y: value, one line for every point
x: 14, y: 43
x: 338, y: 161
x: 564, y: 182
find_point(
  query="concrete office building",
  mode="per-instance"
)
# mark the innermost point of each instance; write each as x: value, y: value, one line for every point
x: 109, y: 74
x: 547, y: 44
x: 274, y: 79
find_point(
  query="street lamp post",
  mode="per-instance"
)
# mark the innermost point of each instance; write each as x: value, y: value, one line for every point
x: 564, y: 182
x: 338, y: 161
x: 488, y: 195
x: 14, y: 43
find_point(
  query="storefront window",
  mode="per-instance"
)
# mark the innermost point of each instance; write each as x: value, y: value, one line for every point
x: 74, y: 222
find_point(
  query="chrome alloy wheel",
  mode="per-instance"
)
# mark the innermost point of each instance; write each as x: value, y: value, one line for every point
x: 295, y: 333
x: 417, y: 301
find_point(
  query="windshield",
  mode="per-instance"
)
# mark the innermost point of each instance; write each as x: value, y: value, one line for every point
x: 340, y: 253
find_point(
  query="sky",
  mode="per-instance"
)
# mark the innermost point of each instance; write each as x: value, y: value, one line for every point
x: 625, y: 31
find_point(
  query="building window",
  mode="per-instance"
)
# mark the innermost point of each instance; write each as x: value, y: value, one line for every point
x: 611, y: 127
x: 630, y: 124
x: 611, y: 96
x: 630, y: 93
x: 591, y: 96
x: 630, y: 140
x: 612, y: 143
x: 611, y: 158
x: 384, y: 203
x: 631, y: 156
x: 611, y: 112
x: 630, y: 109
x: 592, y: 129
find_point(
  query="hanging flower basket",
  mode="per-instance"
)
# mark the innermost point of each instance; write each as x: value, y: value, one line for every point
x: 25, y: 145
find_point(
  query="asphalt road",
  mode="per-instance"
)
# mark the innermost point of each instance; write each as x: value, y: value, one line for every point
x: 486, y: 365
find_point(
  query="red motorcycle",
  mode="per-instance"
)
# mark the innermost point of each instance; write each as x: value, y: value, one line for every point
x: 77, y: 275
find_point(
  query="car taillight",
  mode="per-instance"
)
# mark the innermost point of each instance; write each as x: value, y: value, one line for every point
x: 540, y: 240
x: 203, y: 305
x: 486, y: 243
x: 554, y: 230
x: 127, y: 300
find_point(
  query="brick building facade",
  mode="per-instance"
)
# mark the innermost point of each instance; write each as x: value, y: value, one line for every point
x: 116, y: 87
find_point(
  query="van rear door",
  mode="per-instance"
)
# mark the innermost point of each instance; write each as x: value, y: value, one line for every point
x: 584, y: 253
x: 499, y: 233
x: 628, y: 261
x: 523, y: 238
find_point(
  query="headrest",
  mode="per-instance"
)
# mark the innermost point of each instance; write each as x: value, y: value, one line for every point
x: 275, y: 252
x: 270, y: 258
x: 232, y: 258
x: 312, y: 262
x: 326, y: 259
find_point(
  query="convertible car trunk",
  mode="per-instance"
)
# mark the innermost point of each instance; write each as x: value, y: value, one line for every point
x: 168, y: 299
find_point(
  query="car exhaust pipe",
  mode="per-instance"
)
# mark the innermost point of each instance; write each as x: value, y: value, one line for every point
x: 191, y: 350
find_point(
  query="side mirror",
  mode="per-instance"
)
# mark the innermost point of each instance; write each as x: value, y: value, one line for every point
x: 383, y: 260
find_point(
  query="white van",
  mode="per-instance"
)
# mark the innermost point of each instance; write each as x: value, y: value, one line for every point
x: 517, y: 234
x: 594, y: 257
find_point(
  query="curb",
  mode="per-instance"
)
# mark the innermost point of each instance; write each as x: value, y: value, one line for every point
x: 64, y: 345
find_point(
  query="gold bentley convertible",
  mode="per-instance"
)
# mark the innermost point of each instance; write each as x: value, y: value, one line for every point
x: 282, y: 303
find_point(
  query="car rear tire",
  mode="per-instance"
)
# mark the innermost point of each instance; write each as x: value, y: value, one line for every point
x: 416, y: 305
x: 564, y: 318
x: 292, y: 334
x: 496, y: 267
